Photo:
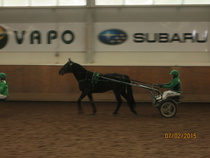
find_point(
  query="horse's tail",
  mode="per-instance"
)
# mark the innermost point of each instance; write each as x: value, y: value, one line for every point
x: 130, y: 95
x: 129, y: 91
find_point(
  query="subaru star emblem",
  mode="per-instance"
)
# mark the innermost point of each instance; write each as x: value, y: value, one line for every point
x: 112, y: 36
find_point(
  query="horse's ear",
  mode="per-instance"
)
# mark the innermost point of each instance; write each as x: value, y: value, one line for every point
x: 70, y: 62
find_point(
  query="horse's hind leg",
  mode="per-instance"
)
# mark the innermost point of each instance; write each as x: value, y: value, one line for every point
x: 80, y: 110
x: 92, y: 103
x: 119, y: 102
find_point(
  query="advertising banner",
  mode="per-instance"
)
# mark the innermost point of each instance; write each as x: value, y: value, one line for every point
x: 129, y: 36
x: 152, y: 36
x: 42, y: 37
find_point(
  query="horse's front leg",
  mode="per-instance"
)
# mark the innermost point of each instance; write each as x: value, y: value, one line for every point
x: 80, y: 110
x: 92, y: 103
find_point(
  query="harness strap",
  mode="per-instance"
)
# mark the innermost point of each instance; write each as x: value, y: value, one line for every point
x: 95, y: 78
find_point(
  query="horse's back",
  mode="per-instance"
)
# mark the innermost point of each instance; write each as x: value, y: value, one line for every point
x: 117, y: 76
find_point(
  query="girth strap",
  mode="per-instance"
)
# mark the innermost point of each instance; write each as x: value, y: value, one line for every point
x: 95, y: 78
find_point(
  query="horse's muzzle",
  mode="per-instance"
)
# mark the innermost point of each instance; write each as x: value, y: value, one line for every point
x: 61, y: 72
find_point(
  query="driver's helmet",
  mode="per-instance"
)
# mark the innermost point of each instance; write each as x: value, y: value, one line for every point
x: 174, y: 73
x: 3, y: 76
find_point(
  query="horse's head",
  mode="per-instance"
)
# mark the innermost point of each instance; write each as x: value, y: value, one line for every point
x: 67, y: 68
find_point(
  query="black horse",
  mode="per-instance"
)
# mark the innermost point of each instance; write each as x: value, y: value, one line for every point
x: 91, y: 82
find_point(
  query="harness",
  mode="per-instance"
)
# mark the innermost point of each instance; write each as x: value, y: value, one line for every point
x: 95, y: 78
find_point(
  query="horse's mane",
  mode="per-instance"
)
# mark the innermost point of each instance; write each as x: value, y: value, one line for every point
x: 79, y: 67
x: 80, y: 72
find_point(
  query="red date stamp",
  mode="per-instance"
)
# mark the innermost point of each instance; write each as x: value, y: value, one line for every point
x: 180, y: 135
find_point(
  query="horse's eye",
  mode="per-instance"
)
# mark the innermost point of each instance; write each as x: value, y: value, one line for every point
x: 70, y: 64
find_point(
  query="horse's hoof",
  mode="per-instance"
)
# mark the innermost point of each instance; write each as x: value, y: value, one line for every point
x: 136, y: 113
x: 81, y: 112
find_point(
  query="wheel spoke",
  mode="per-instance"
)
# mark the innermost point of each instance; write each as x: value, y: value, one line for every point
x: 169, y: 107
x: 169, y: 112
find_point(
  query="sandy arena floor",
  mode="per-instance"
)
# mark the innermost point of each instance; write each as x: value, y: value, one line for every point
x: 55, y: 130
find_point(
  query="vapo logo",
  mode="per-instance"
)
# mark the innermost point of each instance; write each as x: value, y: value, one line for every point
x: 3, y: 37
x: 112, y: 36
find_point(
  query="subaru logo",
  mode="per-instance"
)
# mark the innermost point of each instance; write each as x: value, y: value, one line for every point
x: 112, y: 36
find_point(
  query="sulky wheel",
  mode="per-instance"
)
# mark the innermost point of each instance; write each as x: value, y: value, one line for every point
x: 168, y: 108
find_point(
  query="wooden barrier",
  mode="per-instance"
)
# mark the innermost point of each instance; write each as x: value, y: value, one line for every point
x: 42, y: 83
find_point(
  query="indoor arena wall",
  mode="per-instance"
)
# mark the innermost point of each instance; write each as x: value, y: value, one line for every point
x: 42, y: 83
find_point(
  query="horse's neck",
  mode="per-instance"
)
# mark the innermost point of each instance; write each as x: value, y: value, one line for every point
x: 80, y: 73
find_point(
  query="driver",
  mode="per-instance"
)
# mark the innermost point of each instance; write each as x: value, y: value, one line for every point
x: 3, y: 87
x: 174, y: 86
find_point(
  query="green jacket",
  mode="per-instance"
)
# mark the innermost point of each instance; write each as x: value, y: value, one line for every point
x: 175, y: 85
x: 4, y: 88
